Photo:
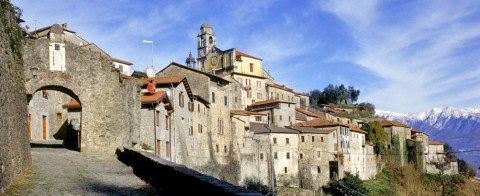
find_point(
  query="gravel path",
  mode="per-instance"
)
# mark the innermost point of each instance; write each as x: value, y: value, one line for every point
x: 58, y: 171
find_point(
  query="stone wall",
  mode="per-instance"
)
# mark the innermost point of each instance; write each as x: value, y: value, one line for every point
x: 173, y: 179
x: 110, y: 105
x: 15, y: 149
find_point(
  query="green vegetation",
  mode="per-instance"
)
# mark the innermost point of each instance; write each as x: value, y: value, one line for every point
x: 256, y: 185
x: 146, y: 146
x: 349, y: 185
x: 334, y: 94
x: 11, y: 29
x: 382, y: 184
x: 376, y: 135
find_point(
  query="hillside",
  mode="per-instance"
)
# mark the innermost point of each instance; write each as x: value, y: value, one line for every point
x: 458, y: 127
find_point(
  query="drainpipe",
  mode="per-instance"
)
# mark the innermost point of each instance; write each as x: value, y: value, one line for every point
x: 154, y: 129
x: 173, y: 143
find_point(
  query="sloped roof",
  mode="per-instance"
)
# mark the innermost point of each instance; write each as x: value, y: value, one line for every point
x: 269, y: 101
x: 259, y: 128
x: 313, y: 130
x: 164, y: 80
x: 387, y: 123
x: 72, y: 104
x: 239, y: 54
x: 356, y: 129
x: 279, y: 86
x: 434, y: 143
x: 245, y: 113
x: 194, y: 70
x: 308, y: 113
x: 156, y: 98
x: 301, y: 94
x: 318, y: 122
x: 129, y: 77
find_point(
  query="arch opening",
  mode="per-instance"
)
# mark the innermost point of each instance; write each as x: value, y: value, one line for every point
x: 55, y: 116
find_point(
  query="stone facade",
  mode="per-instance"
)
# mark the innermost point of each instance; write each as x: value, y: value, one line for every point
x: 110, y: 104
x: 15, y: 151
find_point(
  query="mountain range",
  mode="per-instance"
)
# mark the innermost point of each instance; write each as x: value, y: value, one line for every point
x: 458, y: 127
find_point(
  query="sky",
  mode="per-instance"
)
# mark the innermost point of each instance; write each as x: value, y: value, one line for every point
x: 404, y: 56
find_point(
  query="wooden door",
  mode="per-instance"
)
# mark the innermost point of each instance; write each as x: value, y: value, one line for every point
x: 44, y: 127
x: 30, y: 126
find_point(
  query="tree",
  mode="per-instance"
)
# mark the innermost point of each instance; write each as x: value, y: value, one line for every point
x: 349, y: 185
x: 352, y: 94
x: 366, y: 109
x: 465, y: 169
x: 375, y: 134
x: 315, y: 97
x: 450, y: 155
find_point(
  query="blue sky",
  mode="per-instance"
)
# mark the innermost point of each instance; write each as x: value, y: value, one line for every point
x: 404, y: 56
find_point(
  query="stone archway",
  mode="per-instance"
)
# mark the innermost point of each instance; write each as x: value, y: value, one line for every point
x: 55, y: 113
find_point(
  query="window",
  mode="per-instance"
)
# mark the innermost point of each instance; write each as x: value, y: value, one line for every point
x: 287, y: 140
x: 191, y: 106
x: 57, y: 46
x: 289, y: 117
x: 249, y: 94
x: 236, y: 100
x: 275, y: 155
x: 261, y: 156
x: 321, y: 139
x: 199, y: 128
x: 59, y: 116
x: 285, y: 169
x: 274, y: 140
x: 313, y: 138
x: 333, y: 134
x: 216, y: 147
x: 251, y: 67
x: 202, y: 43
x: 157, y: 121
x: 303, y: 138
x: 190, y: 130
x: 258, y: 118
x: 225, y: 100
x: 288, y: 155
x: 259, y: 84
x: 301, y: 155
x: 198, y: 108
x: 318, y: 169
x: 213, y: 97
x: 276, y: 97
x: 282, y: 96
x: 225, y: 149
x: 236, y: 88
x: 259, y: 96
x: 180, y: 99
x: 280, y: 117
x: 120, y: 67
x: 247, y: 82
x: 319, y: 154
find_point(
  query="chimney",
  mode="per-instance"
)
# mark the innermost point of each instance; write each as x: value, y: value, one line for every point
x: 65, y: 26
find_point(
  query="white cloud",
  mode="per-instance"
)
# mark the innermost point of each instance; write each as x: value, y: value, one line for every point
x: 414, y: 55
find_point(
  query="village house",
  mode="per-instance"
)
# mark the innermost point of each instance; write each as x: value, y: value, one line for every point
x: 403, y: 132
x: 279, y: 113
x: 302, y: 100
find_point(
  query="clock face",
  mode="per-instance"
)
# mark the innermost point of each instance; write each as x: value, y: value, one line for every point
x: 214, y: 60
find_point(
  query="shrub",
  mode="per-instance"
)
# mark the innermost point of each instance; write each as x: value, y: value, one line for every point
x: 349, y: 185
x: 256, y: 185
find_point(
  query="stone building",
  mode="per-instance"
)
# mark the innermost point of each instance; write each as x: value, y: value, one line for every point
x: 279, y: 113
x: 302, y: 100
x: 403, y: 132
x: 436, y: 162
x: 302, y: 115
x: 277, y: 154
x: 56, y: 59
x: 280, y: 92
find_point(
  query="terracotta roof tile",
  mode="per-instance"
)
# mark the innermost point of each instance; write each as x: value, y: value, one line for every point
x: 356, y: 129
x: 163, y: 80
x: 283, y: 87
x: 308, y: 113
x: 269, y: 101
x: 387, y: 123
x: 245, y: 113
x: 72, y: 104
x: 302, y: 94
x: 238, y: 54
x: 157, y: 97
x: 434, y: 143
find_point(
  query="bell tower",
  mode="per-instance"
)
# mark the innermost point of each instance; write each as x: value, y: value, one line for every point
x: 205, y: 40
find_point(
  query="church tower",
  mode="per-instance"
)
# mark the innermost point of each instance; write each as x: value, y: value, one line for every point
x: 205, y: 40
x: 190, y: 61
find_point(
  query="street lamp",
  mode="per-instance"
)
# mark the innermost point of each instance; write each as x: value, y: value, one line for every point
x: 149, y: 42
x: 34, y: 72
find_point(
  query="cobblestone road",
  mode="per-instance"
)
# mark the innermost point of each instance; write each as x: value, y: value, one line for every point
x: 58, y: 171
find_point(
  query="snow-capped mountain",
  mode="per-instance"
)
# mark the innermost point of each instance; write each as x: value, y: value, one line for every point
x: 458, y: 127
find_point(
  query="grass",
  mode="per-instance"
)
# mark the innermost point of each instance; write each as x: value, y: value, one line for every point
x: 23, y: 185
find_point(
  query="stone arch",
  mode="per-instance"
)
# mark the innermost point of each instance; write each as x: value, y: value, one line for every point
x: 72, y: 127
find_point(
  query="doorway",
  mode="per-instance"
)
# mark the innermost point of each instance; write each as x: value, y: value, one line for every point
x: 44, y: 127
